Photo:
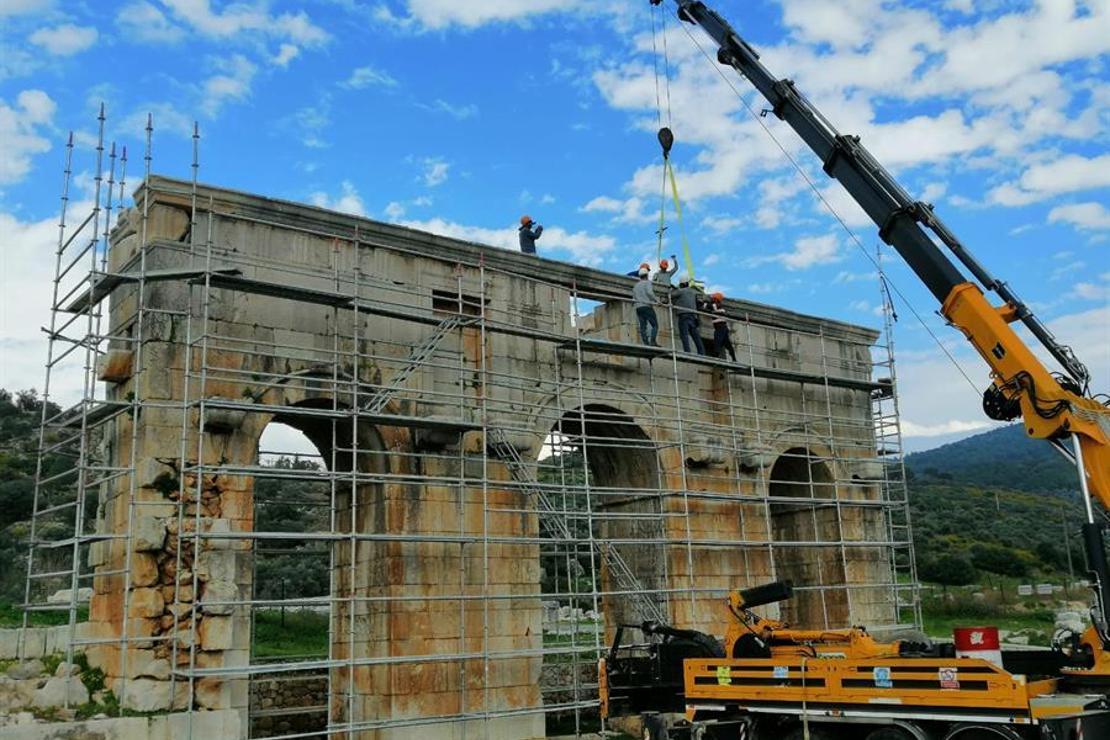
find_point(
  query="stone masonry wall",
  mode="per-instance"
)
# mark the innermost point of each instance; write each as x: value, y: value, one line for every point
x: 281, y: 356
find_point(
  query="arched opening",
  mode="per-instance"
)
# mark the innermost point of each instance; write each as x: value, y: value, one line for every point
x: 308, y: 484
x: 606, y: 472
x: 806, y: 534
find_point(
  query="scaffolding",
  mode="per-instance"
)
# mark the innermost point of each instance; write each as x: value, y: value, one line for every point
x: 503, y: 473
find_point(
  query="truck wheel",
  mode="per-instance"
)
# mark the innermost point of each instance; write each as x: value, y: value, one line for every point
x: 816, y: 732
x: 983, y: 732
x: 655, y: 727
x: 899, y: 732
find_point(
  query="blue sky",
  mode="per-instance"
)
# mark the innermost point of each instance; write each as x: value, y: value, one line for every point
x: 457, y: 117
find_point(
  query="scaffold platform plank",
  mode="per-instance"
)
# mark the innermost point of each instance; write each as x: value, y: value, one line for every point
x: 103, y: 283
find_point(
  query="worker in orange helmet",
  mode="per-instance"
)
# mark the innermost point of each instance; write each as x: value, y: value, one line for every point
x: 722, y: 339
x: 662, y: 278
x: 529, y: 235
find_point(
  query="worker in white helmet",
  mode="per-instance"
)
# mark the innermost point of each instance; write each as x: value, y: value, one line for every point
x: 643, y: 297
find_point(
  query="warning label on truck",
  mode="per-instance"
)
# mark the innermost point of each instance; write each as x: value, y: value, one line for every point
x: 949, y: 678
x: 724, y: 675
x: 882, y: 677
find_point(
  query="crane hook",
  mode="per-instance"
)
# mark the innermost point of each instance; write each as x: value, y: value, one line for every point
x: 666, y: 140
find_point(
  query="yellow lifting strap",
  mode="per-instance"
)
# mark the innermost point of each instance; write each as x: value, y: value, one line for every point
x: 666, y: 140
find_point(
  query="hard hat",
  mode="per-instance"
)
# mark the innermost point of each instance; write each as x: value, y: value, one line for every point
x: 645, y: 266
x: 718, y: 296
x: 663, y: 264
x: 525, y: 220
x: 684, y: 278
x: 644, y: 272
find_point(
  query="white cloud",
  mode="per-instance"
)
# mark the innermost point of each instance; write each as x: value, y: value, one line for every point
x: 143, y: 21
x: 240, y: 18
x: 808, y: 252
x: 20, y: 130
x: 583, y: 247
x: 64, y: 40
x: 362, y: 77
x: 19, y: 7
x: 846, y: 276
x: 434, y: 171
x: 26, y: 269
x: 286, y: 53
x: 1092, y: 292
x: 348, y: 201
x: 232, y: 84
x: 460, y: 112
x: 394, y: 211
x: 1086, y: 216
x: 1068, y: 174
x: 437, y: 14
x: 952, y: 426
x: 604, y: 204
x: 311, y: 121
x: 165, y: 117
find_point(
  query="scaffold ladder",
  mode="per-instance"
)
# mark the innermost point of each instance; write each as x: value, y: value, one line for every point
x: 555, y: 525
x: 418, y: 357
x: 885, y: 418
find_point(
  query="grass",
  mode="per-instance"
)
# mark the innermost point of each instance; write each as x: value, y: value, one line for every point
x: 12, y: 616
x: 941, y: 615
x: 305, y: 633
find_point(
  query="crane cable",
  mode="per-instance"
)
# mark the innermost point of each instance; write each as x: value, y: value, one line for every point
x: 666, y: 140
x: 829, y: 207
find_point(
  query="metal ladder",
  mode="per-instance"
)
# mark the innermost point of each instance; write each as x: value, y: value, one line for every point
x: 887, y: 434
x: 552, y: 522
x: 418, y: 357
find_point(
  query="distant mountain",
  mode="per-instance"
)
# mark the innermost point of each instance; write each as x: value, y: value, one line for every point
x: 1001, y: 458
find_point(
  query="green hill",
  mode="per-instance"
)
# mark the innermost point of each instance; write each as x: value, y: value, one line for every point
x: 1003, y: 458
x: 996, y: 503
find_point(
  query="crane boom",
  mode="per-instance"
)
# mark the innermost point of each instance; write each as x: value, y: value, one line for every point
x: 1052, y: 406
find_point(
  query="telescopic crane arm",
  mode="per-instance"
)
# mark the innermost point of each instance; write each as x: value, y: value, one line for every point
x: 1052, y: 406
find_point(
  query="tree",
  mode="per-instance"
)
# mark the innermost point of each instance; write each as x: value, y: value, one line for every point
x: 1005, y: 561
x: 948, y: 569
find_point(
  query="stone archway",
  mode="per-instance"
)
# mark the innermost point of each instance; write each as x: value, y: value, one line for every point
x: 620, y: 464
x: 806, y: 513
x: 353, y: 581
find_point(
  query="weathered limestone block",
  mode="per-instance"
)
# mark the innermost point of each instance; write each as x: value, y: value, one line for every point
x: 217, y: 591
x: 148, y: 533
x: 144, y: 569
x: 146, y: 695
x: 61, y: 690
x: 215, y: 633
x: 146, y: 602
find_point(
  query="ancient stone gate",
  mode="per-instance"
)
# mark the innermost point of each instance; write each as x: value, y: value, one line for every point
x: 501, y: 460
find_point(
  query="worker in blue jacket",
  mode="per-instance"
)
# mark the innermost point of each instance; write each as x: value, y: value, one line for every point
x: 529, y: 235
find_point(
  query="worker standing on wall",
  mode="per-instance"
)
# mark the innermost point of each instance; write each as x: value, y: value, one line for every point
x: 643, y: 296
x: 685, y: 302
x: 666, y: 269
x: 529, y: 235
x: 722, y: 339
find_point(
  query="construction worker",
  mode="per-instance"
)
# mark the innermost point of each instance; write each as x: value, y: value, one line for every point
x: 685, y: 302
x: 663, y: 278
x: 722, y: 340
x: 643, y: 297
x: 529, y: 235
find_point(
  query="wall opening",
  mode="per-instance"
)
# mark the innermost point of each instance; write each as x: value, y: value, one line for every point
x: 291, y: 498
x: 806, y: 535
x: 605, y: 447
